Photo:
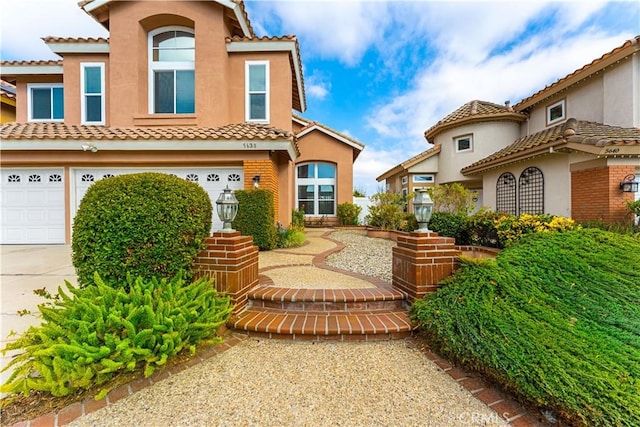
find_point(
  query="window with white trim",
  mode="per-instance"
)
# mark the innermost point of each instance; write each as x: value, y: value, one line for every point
x: 257, y: 91
x: 92, y: 88
x: 316, y: 188
x: 172, y: 55
x: 423, y: 179
x: 405, y: 180
x: 556, y: 112
x: 46, y: 102
x: 463, y: 143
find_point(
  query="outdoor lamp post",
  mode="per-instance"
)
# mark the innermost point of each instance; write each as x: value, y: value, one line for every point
x: 628, y: 184
x: 422, y: 207
x: 227, y: 207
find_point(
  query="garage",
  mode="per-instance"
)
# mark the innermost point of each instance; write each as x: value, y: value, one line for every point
x: 213, y: 180
x: 32, y: 206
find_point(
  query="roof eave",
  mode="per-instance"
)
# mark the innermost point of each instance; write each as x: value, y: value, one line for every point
x: 580, y: 75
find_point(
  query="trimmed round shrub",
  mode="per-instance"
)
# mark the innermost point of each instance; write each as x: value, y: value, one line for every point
x: 451, y: 225
x: 146, y: 224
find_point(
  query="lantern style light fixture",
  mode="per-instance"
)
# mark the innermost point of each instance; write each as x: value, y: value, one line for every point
x: 422, y: 208
x: 227, y: 207
x: 629, y: 184
x: 256, y: 181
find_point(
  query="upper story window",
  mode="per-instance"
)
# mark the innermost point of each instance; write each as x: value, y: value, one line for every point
x: 463, y: 143
x: 405, y: 180
x: 172, y: 55
x: 257, y: 91
x: 423, y: 179
x: 556, y: 112
x: 92, y: 87
x: 46, y: 102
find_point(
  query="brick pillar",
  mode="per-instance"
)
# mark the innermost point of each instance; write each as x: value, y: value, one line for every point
x: 232, y: 260
x: 421, y: 260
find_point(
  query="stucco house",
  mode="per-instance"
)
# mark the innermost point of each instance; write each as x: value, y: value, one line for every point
x: 181, y: 87
x: 563, y: 150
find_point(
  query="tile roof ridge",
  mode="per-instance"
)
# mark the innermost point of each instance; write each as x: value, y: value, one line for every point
x: 58, y: 39
x: 33, y: 62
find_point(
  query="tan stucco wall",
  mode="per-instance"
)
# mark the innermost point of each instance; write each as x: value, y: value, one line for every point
x: 557, y: 182
x: 280, y: 89
x: 621, y: 89
x: 607, y: 97
x: 22, y: 96
x: 72, y: 90
x: 488, y: 138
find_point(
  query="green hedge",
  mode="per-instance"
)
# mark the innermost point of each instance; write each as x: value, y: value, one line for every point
x: 555, y: 318
x: 256, y: 217
x: 451, y: 225
x: 90, y: 334
x: 146, y: 224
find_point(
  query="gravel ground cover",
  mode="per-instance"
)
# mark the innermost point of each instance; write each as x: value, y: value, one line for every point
x: 276, y: 383
x: 364, y: 255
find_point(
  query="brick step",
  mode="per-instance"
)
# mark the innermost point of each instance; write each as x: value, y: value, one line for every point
x: 326, y: 300
x: 343, y: 326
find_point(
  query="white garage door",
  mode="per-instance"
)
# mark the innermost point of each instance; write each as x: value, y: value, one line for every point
x: 213, y: 180
x: 32, y: 206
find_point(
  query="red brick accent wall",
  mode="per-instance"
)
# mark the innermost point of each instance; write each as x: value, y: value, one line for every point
x: 421, y: 260
x: 596, y: 194
x: 268, y: 172
x: 232, y: 261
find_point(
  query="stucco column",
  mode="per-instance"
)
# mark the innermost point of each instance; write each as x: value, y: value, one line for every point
x: 421, y: 260
x: 232, y: 261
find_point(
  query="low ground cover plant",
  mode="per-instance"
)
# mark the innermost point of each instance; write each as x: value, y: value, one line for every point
x: 563, y: 331
x: 90, y: 334
x: 144, y: 224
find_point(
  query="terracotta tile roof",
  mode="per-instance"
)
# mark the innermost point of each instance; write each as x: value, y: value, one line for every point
x: 311, y: 124
x: 57, y: 131
x: 7, y: 90
x: 53, y: 39
x: 299, y: 99
x: 571, y: 135
x: 37, y: 62
x: 473, y: 111
x: 410, y: 162
x: 609, y: 58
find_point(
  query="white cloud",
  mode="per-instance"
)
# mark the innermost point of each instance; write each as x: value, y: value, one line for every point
x: 34, y: 19
x: 317, y: 85
x: 343, y: 30
x: 490, y: 71
x: 372, y: 163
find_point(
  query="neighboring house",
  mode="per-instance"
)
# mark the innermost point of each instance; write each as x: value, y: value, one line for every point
x: 564, y: 150
x: 181, y: 87
x: 7, y: 102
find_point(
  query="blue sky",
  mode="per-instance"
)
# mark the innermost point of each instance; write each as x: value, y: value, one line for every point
x: 385, y: 71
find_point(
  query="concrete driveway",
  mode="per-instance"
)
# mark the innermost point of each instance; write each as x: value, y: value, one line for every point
x: 24, y: 268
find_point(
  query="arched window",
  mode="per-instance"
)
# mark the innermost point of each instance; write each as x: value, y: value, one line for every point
x: 316, y: 188
x: 171, y: 70
x: 531, y: 191
x: 506, y: 193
